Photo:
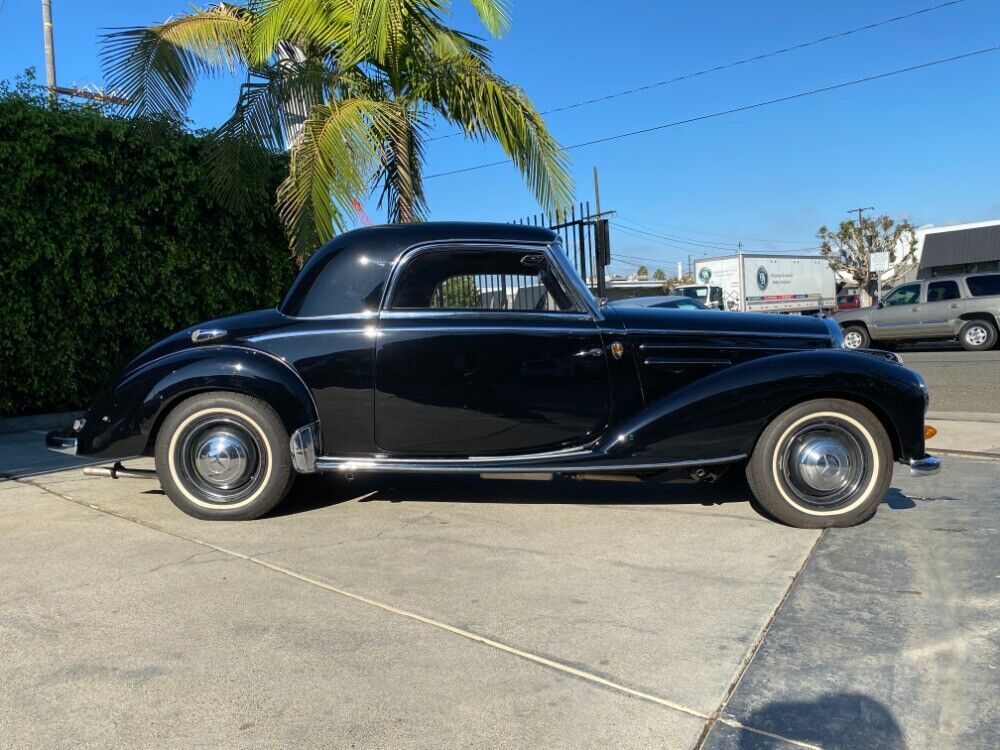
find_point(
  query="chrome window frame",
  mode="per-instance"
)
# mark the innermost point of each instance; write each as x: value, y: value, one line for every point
x: 585, y: 307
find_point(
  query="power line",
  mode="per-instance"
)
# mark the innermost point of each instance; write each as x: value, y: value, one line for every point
x: 735, y: 110
x: 714, y: 234
x: 674, y: 238
x: 734, y: 63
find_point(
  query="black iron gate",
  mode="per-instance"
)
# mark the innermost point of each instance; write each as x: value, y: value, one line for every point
x: 585, y: 238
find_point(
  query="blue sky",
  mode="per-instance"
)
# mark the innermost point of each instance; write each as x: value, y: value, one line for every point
x: 922, y: 145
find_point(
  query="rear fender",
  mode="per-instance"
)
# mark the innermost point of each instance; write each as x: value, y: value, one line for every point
x: 124, y: 420
x: 723, y: 414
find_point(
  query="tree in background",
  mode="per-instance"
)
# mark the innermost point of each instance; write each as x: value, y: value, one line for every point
x: 659, y: 275
x: 849, y: 249
x: 350, y: 88
x: 642, y: 273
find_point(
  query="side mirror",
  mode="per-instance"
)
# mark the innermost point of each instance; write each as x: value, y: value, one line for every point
x: 879, y: 305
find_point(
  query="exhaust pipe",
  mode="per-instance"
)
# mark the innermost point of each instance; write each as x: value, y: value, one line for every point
x: 117, y: 471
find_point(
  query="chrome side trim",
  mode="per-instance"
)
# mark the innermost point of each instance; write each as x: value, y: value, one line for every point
x: 740, y: 334
x: 924, y: 467
x: 473, y: 466
x: 303, y: 446
x: 310, y: 332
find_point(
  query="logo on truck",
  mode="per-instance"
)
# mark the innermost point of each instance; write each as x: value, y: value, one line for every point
x: 762, y: 278
x: 705, y: 275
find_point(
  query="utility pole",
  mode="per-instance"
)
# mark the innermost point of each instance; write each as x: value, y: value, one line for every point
x: 860, y: 212
x: 50, y: 51
x: 597, y: 193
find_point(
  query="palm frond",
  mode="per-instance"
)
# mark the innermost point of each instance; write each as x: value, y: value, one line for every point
x: 400, y: 174
x: 331, y: 161
x: 494, y: 15
x: 156, y: 67
x: 473, y: 97
x: 313, y: 24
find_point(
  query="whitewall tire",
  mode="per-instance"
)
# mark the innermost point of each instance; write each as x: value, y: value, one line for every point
x: 224, y: 456
x: 821, y: 463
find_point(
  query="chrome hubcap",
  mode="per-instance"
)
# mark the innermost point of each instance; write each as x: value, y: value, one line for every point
x: 976, y: 335
x: 222, y: 459
x: 823, y: 464
x: 852, y: 340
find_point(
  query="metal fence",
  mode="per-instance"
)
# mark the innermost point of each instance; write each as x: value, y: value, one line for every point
x: 585, y: 238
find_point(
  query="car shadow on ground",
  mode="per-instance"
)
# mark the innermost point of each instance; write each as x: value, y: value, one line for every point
x: 313, y: 492
x: 834, y: 721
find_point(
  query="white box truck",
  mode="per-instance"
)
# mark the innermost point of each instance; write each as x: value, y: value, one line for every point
x: 758, y: 282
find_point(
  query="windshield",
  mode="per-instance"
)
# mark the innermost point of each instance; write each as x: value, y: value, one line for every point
x: 572, y: 277
x: 695, y: 292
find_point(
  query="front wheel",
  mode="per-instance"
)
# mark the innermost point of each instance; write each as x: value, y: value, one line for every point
x: 224, y: 456
x: 821, y: 463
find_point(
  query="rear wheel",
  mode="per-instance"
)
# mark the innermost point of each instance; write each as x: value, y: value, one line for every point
x: 977, y: 335
x: 224, y: 456
x: 856, y: 337
x: 822, y: 463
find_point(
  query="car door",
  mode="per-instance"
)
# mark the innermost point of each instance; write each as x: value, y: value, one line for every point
x: 483, y: 351
x: 943, y: 307
x: 899, y: 316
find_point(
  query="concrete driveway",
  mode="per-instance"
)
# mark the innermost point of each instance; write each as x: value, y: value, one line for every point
x: 414, y: 613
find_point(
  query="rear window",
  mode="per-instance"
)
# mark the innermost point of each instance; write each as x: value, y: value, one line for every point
x: 984, y: 286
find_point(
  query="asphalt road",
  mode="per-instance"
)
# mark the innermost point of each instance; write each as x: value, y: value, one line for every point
x: 420, y: 612
x: 958, y: 380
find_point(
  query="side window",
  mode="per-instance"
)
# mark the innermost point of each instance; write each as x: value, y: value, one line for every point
x: 904, y: 295
x: 940, y: 291
x: 984, y: 286
x: 501, y: 280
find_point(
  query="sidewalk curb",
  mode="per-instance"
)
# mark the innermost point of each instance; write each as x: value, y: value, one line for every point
x: 966, y: 454
x: 38, y: 421
x: 962, y: 416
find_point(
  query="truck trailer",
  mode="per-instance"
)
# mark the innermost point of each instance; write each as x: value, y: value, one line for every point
x: 761, y: 282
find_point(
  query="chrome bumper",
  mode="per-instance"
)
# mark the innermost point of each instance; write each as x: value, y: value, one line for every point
x: 61, y: 442
x: 924, y: 467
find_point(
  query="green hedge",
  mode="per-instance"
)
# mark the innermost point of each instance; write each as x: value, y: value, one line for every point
x: 111, y: 236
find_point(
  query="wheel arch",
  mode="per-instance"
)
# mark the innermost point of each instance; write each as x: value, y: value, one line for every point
x: 982, y: 315
x: 127, y: 420
x: 890, y: 427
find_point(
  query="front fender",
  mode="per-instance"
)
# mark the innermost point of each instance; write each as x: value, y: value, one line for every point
x: 124, y: 419
x: 723, y: 414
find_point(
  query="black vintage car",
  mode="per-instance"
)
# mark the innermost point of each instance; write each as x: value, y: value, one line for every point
x: 476, y: 348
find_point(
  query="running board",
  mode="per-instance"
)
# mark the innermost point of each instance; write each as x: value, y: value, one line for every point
x: 498, y: 466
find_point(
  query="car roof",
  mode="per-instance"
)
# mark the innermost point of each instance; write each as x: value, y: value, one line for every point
x: 401, y: 236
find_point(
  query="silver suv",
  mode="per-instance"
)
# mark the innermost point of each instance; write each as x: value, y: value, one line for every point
x: 965, y: 307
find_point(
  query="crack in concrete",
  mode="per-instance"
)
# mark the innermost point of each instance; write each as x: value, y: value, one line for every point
x: 748, y: 660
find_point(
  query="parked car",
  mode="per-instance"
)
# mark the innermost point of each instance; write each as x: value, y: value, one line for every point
x: 387, y: 355
x: 964, y: 307
x: 668, y: 301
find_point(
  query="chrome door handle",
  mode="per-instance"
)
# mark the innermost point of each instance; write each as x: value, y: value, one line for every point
x: 595, y: 352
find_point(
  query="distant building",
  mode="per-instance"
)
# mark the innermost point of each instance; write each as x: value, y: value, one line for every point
x: 959, y: 248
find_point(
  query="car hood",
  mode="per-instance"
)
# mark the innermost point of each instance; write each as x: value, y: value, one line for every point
x: 714, y: 321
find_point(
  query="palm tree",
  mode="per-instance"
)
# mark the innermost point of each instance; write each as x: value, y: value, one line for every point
x: 349, y: 88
